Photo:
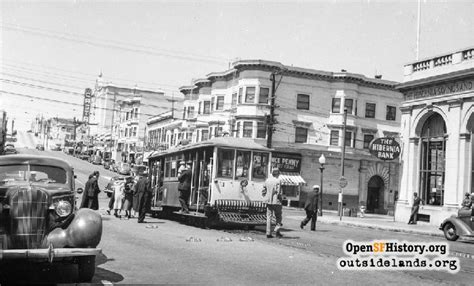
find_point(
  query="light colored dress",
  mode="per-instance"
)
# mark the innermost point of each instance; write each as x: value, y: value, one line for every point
x: 118, y: 194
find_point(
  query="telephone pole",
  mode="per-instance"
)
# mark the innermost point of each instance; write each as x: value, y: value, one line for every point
x: 341, y: 194
x: 272, y: 112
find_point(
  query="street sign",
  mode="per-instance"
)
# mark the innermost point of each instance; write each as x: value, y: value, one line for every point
x: 342, y: 182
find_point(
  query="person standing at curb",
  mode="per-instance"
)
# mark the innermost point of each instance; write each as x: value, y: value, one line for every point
x: 143, y: 190
x: 273, y: 197
x: 311, y: 208
x: 414, y: 209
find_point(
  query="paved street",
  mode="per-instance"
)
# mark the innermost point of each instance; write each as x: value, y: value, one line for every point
x: 163, y: 251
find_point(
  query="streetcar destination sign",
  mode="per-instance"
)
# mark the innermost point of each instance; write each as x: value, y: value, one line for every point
x: 385, y: 148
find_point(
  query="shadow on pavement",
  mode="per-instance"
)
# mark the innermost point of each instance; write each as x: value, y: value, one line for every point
x: 34, y: 273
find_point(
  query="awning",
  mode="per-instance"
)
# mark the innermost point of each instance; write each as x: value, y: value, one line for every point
x: 292, y: 179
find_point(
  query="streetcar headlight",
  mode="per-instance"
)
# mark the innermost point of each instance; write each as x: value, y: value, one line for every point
x: 63, y: 208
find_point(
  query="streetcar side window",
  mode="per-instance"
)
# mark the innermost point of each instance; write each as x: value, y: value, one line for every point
x: 260, y: 165
x: 225, y: 163
x: 174, y: 166
x: 167, y: 167
x: 243, y: 165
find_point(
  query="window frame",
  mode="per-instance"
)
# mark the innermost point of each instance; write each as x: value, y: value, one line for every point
x: 302, y: 104
x: 333, y: 105
x: 332, y: 137
x: 260, y: 95
x: 389, y: 108
x: 367, y: 110
x: 299, y: 128
x: 249, y: 125
x: 261, y: 130
x: 352, y: 109
x: 366, y: 143
x: 248, y: 95
x: 219, y: 103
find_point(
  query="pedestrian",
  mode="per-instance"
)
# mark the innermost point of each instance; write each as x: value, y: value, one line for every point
x: 128, y: 197
x: 273, y: 197
x: 118, y: 195
x: 93, y: 191
x: 135, y: 197
x: 184, y: 187
x: 311, y: 208
x: 467, y: 202
x: 143, y: 190
x: 182, y: 166
x: 85, y: 197
x: 414, y: 209
x: 111, y: 200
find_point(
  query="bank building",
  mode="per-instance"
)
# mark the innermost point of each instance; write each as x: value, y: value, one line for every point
x: 437, y: 125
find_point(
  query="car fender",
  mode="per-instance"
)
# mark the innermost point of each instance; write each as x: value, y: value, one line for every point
x: 84, y: 231
x: 461, y: 227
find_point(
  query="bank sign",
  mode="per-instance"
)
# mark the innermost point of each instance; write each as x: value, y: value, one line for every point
x: 385, y: 148
x: 286, y: 162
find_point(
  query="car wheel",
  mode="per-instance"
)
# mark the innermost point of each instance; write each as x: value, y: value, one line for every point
x: 86, y: 268
x: 450, y: 232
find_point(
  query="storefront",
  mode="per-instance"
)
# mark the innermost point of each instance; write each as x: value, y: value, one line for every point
x: 437, y: 129
x: 289, y: 165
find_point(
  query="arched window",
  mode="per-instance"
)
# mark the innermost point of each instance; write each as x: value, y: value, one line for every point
x: 433, y: 154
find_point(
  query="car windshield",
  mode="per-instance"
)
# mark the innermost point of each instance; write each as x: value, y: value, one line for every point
x: 32, y: 173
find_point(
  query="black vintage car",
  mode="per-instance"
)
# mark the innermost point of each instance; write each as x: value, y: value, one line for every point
x: 38, y: 217
x: 461, y: 225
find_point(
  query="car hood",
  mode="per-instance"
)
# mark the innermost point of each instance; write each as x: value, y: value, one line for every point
x: 51, y: 188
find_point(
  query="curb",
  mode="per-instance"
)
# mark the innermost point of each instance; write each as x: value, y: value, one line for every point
x: 414, y: 231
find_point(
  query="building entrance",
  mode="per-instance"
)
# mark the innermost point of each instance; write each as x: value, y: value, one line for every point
x: 375, y: 192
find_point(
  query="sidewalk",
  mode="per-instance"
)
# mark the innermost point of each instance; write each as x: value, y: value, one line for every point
x: 372, y: 221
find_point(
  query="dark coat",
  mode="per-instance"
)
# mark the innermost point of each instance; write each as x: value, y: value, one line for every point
x: 93, y: 193
x: 85, y: 197
x: 312, y: 200
x: 142, y: 190
x: 185, y: 180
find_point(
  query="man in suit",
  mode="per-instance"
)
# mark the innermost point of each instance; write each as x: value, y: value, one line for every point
x: 311, y: 208
x: 414, y: 209
x: 184, y: 187
x: 93, y: 191
x: 143, y: 191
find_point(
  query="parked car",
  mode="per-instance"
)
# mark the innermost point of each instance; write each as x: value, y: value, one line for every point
x: 460, y: 225
x: 57, y: 147
x: 40, y: 147
x: 9, y: 150
x: 84, y: 156
x: 124, y: 169
x: 38, y: 215
x: 96, y: 160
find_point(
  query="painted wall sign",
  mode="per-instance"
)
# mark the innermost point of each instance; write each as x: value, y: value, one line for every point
x: 385, y: 148
x: 453, y: 87
x: 286, y: 162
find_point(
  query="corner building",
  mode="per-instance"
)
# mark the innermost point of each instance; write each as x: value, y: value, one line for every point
x: 437, y: 128
x: 309, y: 108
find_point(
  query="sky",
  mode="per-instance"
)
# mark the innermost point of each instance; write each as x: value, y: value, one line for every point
x: 51, y: 51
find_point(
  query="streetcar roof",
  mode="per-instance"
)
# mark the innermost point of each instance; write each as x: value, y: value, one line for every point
x: 226, y: 142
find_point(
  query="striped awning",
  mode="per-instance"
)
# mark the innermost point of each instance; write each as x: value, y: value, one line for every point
x: 292, y: 179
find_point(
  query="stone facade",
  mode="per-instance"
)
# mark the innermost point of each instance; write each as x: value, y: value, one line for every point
x: 437, y: 126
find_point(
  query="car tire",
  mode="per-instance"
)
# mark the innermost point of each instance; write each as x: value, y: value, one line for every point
x: 450, y: 232
x: 86, y: 268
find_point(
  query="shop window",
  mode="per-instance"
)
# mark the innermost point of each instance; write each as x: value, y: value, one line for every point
x: 391, y: 112
x: 225, y: 164
x: 334, y: 138
x: 248, y: 128
x: 249, y: 94
x: 207, y: 107
x: 336, y: 105
x: 302, y: 101
x: 263, y: 96
x: 301, y: 135
x: 260, y: 165
x: 370, y: 110
x: 261, y: 130
x: 242, y: 165
x: 433, y: 156
x: 367, y: 139
x: 220, y: 103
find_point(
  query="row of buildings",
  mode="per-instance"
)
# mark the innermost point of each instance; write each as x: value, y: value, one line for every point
x: 429, y: 114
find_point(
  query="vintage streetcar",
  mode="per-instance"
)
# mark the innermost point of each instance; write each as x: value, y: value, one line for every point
x: 228, y: 175
x: 38, y: 221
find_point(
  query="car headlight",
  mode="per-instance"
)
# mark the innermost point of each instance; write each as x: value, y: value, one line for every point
x: 63, y: 208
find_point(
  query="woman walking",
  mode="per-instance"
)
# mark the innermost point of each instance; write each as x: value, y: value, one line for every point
x: 128, y: 195
x: 118, y: 194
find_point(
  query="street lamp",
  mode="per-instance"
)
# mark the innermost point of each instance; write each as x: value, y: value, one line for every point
x: 322, y: 161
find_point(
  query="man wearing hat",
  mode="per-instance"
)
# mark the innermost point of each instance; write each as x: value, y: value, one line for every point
x: 184, y: 186
x: 143, y: 190
x: 273, y: 197
x: 311, y: 208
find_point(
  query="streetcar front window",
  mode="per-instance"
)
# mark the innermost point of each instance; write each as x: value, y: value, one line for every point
x: 225, y: 163
x: 243, y: 165
x: 260, y: 165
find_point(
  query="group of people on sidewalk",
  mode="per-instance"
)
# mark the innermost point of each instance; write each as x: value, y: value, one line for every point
x: 130, y: 194
x: 273, y: 196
